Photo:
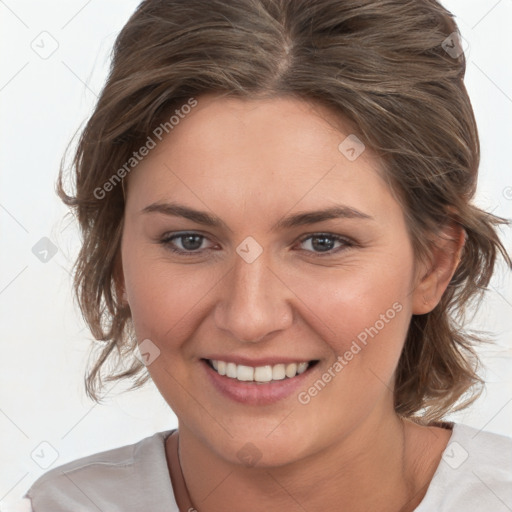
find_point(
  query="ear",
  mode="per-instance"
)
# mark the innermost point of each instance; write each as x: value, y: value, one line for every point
x: 433, y: 278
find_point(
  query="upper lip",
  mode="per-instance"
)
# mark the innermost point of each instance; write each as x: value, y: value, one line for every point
x: 261, y: 361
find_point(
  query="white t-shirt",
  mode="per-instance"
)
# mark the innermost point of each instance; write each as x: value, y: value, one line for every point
x: 474, y: 475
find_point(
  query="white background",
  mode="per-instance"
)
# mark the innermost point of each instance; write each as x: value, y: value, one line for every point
x: 44, y: 342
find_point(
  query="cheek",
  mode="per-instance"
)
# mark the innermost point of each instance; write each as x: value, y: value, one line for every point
x: 165, y: 299
x: 363, y: 316
x: 362, y: 311
x: 346, y: 302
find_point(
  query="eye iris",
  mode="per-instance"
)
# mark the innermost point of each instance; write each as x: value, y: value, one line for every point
x: 185, y: 239
x: 326, y: 243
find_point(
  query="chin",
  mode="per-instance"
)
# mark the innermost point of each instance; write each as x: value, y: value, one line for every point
x: 258, y: 443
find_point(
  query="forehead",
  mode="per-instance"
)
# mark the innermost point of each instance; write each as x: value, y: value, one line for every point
x: 281, y: 128
x: 241, y: 151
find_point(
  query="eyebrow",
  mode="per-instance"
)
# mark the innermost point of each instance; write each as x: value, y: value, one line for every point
x: 298, y: 219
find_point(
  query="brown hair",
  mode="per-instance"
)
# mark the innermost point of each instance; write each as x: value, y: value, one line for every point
x: 383, y: 66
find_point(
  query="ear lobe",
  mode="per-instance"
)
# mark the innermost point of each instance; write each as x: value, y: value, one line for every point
x: 445, y: 258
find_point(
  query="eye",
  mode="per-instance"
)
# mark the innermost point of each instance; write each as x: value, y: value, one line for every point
x: 323, y: 244
x: 318, y: 244
x: 190, y: 243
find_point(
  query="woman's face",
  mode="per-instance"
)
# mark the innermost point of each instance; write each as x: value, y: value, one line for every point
x: 263, y: 283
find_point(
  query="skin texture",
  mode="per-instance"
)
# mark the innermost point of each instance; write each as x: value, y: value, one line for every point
x: 250, y: 163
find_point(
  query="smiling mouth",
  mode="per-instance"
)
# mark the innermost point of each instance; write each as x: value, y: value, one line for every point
x: 260, y: 374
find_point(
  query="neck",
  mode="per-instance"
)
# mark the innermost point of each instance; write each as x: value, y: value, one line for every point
x: 362, y: 471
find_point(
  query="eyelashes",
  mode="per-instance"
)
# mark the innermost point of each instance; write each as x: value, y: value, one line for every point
x: 345, y: 243
x: 167, y: 241
x: 327, y: 243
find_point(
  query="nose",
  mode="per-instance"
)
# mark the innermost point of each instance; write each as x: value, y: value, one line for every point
x: 255, y: 301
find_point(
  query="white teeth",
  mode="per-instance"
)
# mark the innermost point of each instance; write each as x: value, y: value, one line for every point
x: 244, y: 372
x: 291, y: 370
x: 278, y: 372
x: 302, y: 367
x: 265, y: 373
x: 231, y: 370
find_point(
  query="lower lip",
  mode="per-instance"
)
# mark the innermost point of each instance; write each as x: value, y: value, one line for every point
x: 252, y: 393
